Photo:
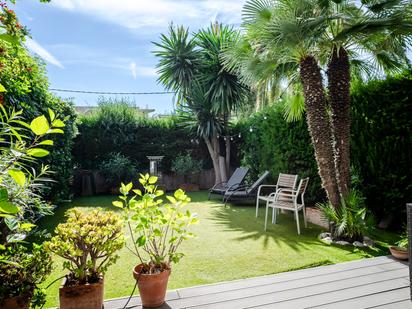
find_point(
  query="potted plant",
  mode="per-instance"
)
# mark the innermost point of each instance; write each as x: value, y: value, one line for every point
x: 400, y: 251
x: 187, y: 166
x: 25, y: 269
x: 88, y: 242
x: 116, y: 168
x: 157, y: 230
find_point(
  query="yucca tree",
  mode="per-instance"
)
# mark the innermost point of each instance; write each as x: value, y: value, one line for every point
x: 314, y: 39
x: 207, y: 92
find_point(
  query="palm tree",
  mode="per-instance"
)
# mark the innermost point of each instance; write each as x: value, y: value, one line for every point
x: 207, y: 92
x: 311, y: 37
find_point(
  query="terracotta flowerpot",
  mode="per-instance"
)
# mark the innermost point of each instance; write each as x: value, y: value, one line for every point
x: 152, y: 288
x: 399, y: 253
x: 18, y: 302
x: 84, y: 296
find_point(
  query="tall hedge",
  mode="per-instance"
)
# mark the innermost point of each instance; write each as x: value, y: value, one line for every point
x: 118, y: 127
x: 279, y: 147
x: 381, y: 145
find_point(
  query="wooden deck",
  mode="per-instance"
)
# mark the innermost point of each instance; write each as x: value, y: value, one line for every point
x: 380, y: 282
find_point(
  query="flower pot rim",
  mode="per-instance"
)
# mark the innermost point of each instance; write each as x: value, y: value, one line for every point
x: 63, y: 284
x: 136, y: 273
x: 398, y: 248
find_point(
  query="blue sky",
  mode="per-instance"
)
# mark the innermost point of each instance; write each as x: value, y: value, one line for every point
x: 103, y: 45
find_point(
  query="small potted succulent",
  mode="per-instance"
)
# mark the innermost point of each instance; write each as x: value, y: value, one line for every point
x: 88, y: 242
x: 21, y: 272
x: 157, y: 229
x: 400, y: 251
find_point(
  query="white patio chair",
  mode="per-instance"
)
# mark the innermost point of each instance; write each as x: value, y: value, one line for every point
x: 285, y: 181
x: 289, y: 200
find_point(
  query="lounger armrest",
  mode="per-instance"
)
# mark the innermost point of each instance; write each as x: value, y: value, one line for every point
x: 218, y: 184
x: 236, y: 186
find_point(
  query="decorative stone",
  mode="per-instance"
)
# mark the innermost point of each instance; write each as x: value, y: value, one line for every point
x: 368, y: 242
x: 342, y: 242
x: 324, y: 235
x: 328, y: 240
x: 358, y: 244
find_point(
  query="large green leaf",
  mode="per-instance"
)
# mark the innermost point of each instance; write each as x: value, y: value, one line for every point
x: 37, y: 152
x: 40, y: 125
x: 18, y: 176
x: 8, y: 208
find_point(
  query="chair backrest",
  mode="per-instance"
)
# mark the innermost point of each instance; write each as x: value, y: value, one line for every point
x: 237, y: 177
x: 303, y: 184
x: 258, y: 182
x: 287, y: 181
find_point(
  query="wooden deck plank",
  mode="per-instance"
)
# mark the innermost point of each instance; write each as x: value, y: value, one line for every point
x: 369, y: 301
x: 296, y: 298
x: 288, y: 285
x: 406, y: 304
x: 286, y: 276
x: 350, y: 283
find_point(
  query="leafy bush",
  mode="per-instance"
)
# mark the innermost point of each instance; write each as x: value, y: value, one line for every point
x: 186, y: 164
x: 88, y: 242
x: 159, y: 228
x: 24, y: 78
x: 382, y: 144
x: 24, y: 144
x: 25, y: 270
x: 350, y: 221
x: 116, y: 126
x: 116, y: 169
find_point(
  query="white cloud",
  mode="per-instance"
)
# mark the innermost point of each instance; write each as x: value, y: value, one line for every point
x: 36, y: 48
x: 147, y: 71
x: 133, y: 69
x: 135, y: 14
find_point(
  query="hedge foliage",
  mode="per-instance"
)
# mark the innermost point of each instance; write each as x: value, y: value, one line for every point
x: 381, y: 145
x: 279, y: 147
x: 117, y: 127
x: 24, y: 77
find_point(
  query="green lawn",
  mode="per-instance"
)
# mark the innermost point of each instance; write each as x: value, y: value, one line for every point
x: 231, y: 244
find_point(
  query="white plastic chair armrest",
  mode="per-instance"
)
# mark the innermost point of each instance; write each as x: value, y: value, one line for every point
x: 265, y: 186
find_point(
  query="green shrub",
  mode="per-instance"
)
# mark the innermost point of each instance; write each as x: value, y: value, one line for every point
x: 25, y: 270
x: 382, y: 144
x: 186, y: 164
x: 350, y: 221
x: 88, y: 242
x: 116, y: 169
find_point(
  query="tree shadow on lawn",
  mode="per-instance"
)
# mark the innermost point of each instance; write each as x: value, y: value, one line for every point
x: 241, y: 218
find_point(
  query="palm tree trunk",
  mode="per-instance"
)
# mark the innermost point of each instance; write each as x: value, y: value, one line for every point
x: 339, y: 98
x: 319, y: 125
x: 214, y: 155
x: 228, y: 150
